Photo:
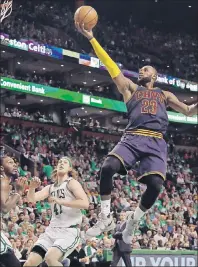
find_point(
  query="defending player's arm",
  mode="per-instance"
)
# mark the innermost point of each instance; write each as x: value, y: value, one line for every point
x: 81, y: 201
x: 179, y: 106
x: 33, y: 196
x: 125, y: 86
x: 9, y: 201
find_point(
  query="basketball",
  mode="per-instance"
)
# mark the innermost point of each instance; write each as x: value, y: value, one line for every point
x: 86, y: 15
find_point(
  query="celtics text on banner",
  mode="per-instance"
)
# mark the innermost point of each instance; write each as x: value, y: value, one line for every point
x: 32, y: 46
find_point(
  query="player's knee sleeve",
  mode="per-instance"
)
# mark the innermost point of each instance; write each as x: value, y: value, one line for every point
x: 154, y: 184
x: 110, y: 167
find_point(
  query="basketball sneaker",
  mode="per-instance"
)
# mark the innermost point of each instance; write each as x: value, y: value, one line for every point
x: 104, y: 224
x: 131, y: 227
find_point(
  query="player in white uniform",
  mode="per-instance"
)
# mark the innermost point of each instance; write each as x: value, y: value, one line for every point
x: 62, y: 236
x: 8, y: 201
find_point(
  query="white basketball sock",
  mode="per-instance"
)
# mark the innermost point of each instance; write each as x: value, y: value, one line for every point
x: 105, y: 207
x: 138, y: 214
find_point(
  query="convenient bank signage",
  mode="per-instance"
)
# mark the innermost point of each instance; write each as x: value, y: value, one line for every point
x: 69, y: 96
x: 32, y: 46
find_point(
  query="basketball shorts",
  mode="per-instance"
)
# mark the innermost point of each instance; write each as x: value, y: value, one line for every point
x: 150, y: 152
x: 65, y: 239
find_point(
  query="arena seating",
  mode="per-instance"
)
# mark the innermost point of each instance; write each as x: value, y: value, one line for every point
x: 171, y: 224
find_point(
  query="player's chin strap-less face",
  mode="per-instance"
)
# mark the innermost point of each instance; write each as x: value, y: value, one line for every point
x: 63, y: 161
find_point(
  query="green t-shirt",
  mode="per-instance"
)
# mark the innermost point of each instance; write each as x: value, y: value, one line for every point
x: 133, y: 183
x: 84, y: 212
x: 93, y: 165
x: 41, y: 208
x: 22, y: 172
x: 163, y: 223
x: 48, y: 169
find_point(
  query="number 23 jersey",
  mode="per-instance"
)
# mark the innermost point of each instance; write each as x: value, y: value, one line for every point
x: 147, y: 110
x: 63, y: 216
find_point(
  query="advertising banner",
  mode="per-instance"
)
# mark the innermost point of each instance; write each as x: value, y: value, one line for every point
x: 164, y: 79
x: 61, y: 94
x: 69, y: 96
x: 83, y: 59
x: 163, y: 260
x: 32, y: 46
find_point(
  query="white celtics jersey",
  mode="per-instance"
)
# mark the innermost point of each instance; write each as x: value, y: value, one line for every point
x: 63, y: 216
x: 5, y: 243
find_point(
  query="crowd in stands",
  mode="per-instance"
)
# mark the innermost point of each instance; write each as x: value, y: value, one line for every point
x: 174, y: 53
x: 24, y: 115
x: 172, y: 223
x: 91, y: 124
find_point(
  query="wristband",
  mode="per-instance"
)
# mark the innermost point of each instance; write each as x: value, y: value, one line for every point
x: 111, y: 66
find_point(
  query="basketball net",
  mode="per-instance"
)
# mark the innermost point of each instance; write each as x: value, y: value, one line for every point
x: 6, y: 9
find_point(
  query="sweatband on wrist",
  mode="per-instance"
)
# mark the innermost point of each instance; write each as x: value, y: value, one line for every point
x: 111, y: 66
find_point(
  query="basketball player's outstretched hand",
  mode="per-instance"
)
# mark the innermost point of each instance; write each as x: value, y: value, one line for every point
x: 19, y: 186
x: 35, y: 183
x: 81, y: 29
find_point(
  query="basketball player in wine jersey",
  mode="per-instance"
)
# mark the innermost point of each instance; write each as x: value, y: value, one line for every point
x: 67, y: 198
x: 142, y: 141
x: 9, y: 200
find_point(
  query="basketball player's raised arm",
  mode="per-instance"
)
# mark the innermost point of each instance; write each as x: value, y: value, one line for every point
x: 81, y: 201
x: 179, y: 106
x: 125, y: 86
x: 33, y: 196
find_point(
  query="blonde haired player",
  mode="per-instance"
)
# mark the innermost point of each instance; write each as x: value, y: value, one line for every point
x: 8, y: 202
x: 67, y: 198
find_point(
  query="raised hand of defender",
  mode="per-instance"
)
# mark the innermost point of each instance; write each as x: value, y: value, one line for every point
x: 19, y: 186
x: 83, y: 31
x: 35, y: 183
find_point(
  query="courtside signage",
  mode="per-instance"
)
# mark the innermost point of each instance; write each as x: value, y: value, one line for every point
x: 69, y: 96
x: 163, y: 260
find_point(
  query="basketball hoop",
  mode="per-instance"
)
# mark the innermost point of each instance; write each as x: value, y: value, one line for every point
x: 6, y: 9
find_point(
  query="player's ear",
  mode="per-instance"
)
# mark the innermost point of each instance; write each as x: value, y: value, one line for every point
x: 1, y: 169
x: 154, y: 77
